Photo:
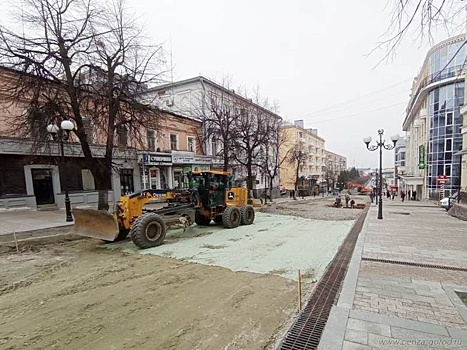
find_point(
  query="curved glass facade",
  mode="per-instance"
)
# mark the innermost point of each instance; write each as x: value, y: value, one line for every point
x: 443, y: 63
x: 445, y: 137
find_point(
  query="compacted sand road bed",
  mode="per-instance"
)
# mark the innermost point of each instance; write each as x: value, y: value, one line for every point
x: 76, y: 295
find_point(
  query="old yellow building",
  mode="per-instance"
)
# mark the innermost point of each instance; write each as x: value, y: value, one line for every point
x: 311, y: 161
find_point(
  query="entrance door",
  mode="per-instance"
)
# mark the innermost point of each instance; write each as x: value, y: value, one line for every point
x: 43, y: 187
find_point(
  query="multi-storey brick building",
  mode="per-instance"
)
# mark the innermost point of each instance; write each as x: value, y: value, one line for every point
x: 33, y: 174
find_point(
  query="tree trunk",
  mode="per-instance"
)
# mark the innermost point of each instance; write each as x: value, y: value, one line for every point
x: 271, y: 179
x: 226, y: 160
x: 296, y: 180
x: 102, y: 177
x: 249, y: 182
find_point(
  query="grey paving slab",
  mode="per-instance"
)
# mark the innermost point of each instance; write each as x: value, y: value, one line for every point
x: 348, y: 345
x: 334, y: 332
x: 354, y: 336
x: 28, y: 220
x: 398, y: 322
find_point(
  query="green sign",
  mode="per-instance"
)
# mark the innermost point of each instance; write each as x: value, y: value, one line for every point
x: 421, y: 157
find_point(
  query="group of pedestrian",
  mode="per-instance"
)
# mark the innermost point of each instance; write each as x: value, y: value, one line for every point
x: 392, y: 194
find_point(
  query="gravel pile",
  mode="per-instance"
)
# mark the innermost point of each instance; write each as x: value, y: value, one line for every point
x: 316, y: 209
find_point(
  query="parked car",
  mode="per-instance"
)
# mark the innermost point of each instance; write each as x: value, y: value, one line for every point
x: 447, y: 202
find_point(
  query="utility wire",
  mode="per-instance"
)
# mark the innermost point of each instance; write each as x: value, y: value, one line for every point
x: 346, y: 106
x: 353, y: 99
x: 360, y: 113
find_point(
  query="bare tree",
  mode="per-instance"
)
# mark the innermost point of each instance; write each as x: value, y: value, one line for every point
x: 253, y: 125
x: 79, y: 60
x: 217, y: 112
x: 297, y: 158
x: 418, y: 17
x: 272, y: 157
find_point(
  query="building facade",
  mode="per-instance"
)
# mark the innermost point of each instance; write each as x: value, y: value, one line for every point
x: 312, y: 169
x: 194, y: 98
x: 34, y: 174
x: 433, y: 121
x: 335, y: 163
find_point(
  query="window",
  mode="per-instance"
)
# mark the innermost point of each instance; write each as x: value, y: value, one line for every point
x: 449, y: 118
x: 126, y: 181
x: 88, y: 180
x: 214, y: 146
x: 122, y: 135
x: 191, y: 144
x: 173, y: 142
x: 448, y: 146
x: 151, y: 137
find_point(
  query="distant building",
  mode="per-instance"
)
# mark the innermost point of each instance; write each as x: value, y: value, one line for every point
x: 312, y: 169
x: 335, y: 163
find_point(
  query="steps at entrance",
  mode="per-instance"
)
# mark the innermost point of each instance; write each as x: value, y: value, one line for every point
x: 47, y: 207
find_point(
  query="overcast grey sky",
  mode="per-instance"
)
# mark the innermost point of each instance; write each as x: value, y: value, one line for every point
x: 307, y: 55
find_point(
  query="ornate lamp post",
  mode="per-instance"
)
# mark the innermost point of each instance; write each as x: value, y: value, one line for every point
x: 380, y: 145
x: 61, y: 134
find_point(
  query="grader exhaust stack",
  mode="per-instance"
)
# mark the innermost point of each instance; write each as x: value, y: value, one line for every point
x: 95, y: 224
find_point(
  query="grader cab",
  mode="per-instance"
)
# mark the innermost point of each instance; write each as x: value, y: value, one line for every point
x: 210, y: 197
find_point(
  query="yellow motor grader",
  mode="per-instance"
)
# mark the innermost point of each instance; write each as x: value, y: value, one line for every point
x: 210, y: 197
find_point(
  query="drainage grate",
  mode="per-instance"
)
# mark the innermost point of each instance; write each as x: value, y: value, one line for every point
x: 411, y: 263
x: 307, y: 329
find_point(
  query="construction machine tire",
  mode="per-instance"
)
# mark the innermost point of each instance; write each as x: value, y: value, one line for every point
x: 231, y: 217
x: 248, y: 214
x: 201, y: 220
x: 148, y: 231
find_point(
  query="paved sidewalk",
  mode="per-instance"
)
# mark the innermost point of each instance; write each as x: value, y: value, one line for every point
x: 20, y: 221
x: 393, y: 304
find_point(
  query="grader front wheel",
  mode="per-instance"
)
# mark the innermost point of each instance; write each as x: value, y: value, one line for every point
x: 148, y: 231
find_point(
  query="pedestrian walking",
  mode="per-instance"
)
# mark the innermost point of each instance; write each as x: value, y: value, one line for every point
x: 392, y: 195
x: 402, y: 195
x: 372, y: 196
x: 388, y: 194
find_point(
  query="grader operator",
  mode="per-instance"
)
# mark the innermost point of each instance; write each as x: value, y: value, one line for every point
x: 210, y: 197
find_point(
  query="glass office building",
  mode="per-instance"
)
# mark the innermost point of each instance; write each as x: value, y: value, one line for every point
x: 444, y: 123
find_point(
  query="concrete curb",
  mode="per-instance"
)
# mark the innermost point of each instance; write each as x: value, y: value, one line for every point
x: 334, y: 332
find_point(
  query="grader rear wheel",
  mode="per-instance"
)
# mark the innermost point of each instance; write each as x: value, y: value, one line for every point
x: 248, y: 214
x: 231, y: 217
x: 148, y: 231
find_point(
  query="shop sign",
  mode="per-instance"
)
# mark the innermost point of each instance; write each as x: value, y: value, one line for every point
x: 201, y: 167
x: 421, y: 157
x: 157, y: 159
x: 191, y: 160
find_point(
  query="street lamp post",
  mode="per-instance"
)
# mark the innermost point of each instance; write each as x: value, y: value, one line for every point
x: 380, y: 145
x: 61, y: 134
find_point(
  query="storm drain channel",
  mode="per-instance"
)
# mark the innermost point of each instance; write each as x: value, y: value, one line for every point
x: 416, y: 264
x: 307, y: 329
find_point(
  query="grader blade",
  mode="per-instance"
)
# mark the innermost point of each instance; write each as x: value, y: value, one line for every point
x: 95, y: 224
